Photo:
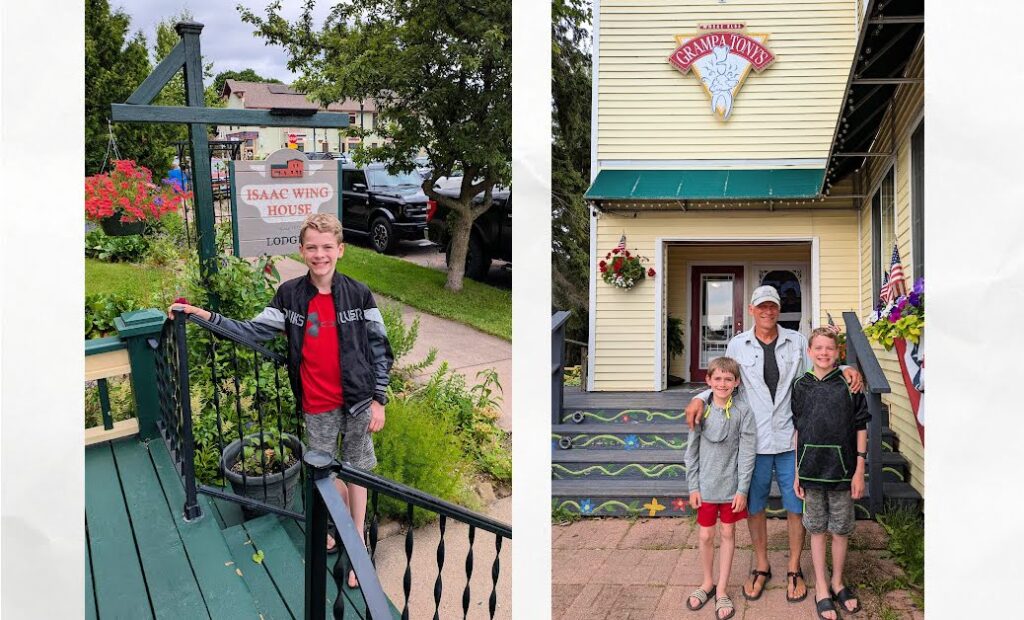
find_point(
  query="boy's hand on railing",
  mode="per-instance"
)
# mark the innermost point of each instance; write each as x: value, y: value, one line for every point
x: 187, y: 309
x: 376, y: 417
x: 799, y: 490
x: 854, y: 378
x: 739, y: 503
x: 693, y: 411
x: 695, y: 500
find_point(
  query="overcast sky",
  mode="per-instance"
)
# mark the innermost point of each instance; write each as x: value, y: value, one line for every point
x: 226, y: 41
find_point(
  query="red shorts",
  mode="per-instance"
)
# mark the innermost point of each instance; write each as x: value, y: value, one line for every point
x: 708, y: 513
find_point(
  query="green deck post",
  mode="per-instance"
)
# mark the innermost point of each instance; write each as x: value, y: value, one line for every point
x: 135, y: 329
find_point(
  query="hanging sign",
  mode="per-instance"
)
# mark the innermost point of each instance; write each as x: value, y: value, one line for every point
x: 274, y: 196
x: 721, y: 56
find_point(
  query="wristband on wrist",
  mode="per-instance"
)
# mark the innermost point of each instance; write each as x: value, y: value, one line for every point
x: 863, y: 455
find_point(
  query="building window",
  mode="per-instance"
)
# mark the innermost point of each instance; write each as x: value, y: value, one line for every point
x: 883, y: 232
x: 351, y: 118
x: 917, y: 199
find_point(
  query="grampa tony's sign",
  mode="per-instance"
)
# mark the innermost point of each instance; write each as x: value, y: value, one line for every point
x: 274, y: 197
x: 721, y: 56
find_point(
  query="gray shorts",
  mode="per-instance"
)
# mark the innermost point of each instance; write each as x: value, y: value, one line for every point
x: 323, y: 429
x: 828, y: 510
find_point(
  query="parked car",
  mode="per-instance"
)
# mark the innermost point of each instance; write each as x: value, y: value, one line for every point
x: 319, y: 155
x: 386, y: 207
x: 490, y: 238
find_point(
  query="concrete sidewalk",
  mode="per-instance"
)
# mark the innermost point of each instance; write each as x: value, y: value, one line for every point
x: 622, y: 569
x: 466, y: 350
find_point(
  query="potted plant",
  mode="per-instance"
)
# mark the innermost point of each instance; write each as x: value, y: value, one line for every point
x: 123, y: 200
x: 263, y: 466
x: 622, y: 269
x: 674, y: 334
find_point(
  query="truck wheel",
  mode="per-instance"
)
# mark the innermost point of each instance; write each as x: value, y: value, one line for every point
x: 381, y: 235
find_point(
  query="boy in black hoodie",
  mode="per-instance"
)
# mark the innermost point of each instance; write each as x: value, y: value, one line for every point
x: 831, y: 439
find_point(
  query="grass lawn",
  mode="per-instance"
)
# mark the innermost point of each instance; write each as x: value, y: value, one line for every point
x: 484, y: 307
x: 136, y: 280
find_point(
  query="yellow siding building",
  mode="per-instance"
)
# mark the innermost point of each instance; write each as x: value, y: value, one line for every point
x: 791, y: 188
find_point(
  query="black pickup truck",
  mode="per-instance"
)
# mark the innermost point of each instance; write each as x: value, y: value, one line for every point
x: 386, y: 207
x: 491, y: 237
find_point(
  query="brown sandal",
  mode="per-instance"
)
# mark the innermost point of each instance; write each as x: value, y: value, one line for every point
x: 793, y: 575
x: 767, y: 574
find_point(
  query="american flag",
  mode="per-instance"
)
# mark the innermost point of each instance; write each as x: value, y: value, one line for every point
x: 894, y: 284
x: 883, y: 293
x: 622, y: 243
x: 832, y: 324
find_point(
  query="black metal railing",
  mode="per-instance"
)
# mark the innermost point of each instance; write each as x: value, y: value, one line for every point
x: 323, y: 499
x: 859, y: 353
x: 246, y: 424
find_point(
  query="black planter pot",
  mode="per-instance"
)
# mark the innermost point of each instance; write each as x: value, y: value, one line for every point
x: 114, y: 227
x: 274, y: 489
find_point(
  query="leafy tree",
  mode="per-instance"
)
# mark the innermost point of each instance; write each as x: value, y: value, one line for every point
x: 245, y: 75
x: 570, y: 160
x: 440, y: 73
x: 114, y: 66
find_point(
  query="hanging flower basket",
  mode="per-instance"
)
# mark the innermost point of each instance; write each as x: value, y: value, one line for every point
x: 126, y: 198
x: 622, y: 269
x: 902, y: 317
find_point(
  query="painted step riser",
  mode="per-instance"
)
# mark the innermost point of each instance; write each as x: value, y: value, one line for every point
x: 642, y: 507
x: 623, y: 416
x: 617, y: 441
x: 618, y: 471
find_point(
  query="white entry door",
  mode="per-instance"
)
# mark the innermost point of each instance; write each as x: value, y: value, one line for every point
x: 792, y: 281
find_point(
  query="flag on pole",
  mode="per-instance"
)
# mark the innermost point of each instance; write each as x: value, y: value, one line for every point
x: 897, y: 282
x: 883, y: 293
x: 832, y: 324
x: 622, y: 243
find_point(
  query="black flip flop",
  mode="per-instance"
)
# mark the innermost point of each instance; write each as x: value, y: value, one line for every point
x: 824, y: 605
x: 767, y: 574
x: 793, y: 575
x: 844, y: 595
x: 701, y: 596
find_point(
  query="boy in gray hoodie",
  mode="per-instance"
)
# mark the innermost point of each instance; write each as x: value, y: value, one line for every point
x: 719, y: 458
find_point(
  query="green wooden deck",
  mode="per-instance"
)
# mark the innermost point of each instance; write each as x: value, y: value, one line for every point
x: 144, y: 561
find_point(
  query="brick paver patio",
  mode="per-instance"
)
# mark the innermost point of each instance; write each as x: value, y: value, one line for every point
x: 625, y: 570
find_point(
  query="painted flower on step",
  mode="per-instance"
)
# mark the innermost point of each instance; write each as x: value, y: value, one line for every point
x: 653, y: 507
x: 586, y: 506
x: 625, y: 418
x: 632, y: 442
x: 679, y: 504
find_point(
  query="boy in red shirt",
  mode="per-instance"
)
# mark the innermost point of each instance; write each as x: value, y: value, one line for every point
x: 339, y: 357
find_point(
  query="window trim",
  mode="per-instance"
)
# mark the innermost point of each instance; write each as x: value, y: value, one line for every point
x: 877, y: 255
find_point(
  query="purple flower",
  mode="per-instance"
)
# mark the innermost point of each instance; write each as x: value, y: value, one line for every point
x: 901, y: 303
x: 915, y: 298
x: 894, y: 315
x: 919, y: 286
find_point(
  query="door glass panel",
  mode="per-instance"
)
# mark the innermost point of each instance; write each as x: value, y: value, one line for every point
x: 716, y: 319
x: 788, y: 285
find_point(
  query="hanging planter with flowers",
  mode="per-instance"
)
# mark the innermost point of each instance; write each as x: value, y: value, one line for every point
x: 622, y: 269
x: 123, y: 200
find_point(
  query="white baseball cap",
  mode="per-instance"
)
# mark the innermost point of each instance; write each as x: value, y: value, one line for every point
x: 763, y: 294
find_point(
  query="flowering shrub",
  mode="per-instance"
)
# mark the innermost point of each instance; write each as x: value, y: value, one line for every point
x: 902, y: 317
x: 622, y: 269
x: 129, y: 194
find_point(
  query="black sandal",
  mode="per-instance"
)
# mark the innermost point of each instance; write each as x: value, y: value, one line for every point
x: 793, y: 575
x: 767, y: 574
x: 844, y: 595
x: 333, y: 533
x: 824, y: 605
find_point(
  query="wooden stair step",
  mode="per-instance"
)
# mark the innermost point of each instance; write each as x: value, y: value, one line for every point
x: 618, y: 456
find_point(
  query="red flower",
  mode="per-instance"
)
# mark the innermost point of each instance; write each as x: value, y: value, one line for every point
x: 626, y: 252
x: 602, y: 264
x: 608, y: 255
x: 679, y: 504
x: 615, y: 250
x: 181, y: 300
x: 650, y: 272
x: 617, y: 265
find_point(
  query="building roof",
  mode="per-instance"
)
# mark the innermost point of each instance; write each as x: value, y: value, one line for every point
x: 264, y: 96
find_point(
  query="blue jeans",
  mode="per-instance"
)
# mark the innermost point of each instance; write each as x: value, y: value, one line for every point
x: 784, y: 466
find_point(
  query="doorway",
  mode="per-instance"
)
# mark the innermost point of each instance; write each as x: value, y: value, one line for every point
x: 716, y: 314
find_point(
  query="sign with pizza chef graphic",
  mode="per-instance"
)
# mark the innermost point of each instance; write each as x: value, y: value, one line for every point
x: 721, y: 56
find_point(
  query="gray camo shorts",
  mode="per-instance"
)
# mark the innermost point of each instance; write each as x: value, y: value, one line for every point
x: 828, y: 510
x: 323, y: 429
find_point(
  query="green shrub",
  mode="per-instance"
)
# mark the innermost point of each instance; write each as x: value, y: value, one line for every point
x: 403, y: 339
x: 906, y: 541
x: 420, y: 448
x: 122, y: 401
x: 128, y: 249
x: 102, y: 308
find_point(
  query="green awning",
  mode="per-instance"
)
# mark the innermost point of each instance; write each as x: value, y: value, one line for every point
x: 776, y: 184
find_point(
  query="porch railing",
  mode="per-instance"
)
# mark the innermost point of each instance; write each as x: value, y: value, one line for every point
x: 859, y: 353
x: 323, y: 499
x: 105, y: 359
x: 558, y: 321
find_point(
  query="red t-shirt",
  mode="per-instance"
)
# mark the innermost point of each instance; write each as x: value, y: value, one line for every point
x: 320, y: 369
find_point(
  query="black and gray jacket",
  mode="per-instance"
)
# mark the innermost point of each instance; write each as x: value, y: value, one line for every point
x: 366, y: 356
x: 827, y: 417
